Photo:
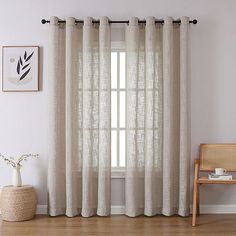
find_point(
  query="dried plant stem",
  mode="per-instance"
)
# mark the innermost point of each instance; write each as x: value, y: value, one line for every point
x: 18, y: 163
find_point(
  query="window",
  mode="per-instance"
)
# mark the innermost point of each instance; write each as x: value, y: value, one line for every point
x: 118, y: 109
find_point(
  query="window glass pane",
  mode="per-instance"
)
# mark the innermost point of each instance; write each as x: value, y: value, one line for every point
x: 114, y: 70
x: 118, y: 146
x: 114, y: 109
x: 122, y: 148
x: 122, y: 109
x: 122, y: 69
x: 114, y: 148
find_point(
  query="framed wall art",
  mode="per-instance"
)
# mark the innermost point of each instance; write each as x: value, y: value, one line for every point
x: 20, y: 68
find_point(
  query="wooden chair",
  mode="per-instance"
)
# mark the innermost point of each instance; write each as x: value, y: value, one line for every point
x: 212, y: 156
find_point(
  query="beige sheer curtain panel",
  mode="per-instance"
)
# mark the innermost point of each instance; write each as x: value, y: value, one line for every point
x: 79, y: 132
x: 158, y: 134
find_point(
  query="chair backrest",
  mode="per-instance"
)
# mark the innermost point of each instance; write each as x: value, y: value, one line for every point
x: 217, y: 156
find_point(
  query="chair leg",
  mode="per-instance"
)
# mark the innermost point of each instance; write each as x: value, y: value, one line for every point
x: 194, y: 204
x: 198, y: 200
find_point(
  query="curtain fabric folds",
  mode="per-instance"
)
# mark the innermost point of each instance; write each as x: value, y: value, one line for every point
x: 157, y: 171
x: 157, y: 120
x: 79, y: 91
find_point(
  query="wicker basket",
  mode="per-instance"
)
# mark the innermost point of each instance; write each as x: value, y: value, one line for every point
x: 18, y: 203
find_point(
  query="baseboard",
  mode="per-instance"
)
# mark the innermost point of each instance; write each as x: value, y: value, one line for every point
x: 120, y: 210
x: 217, y: 209
x: 204, y: 209
x: 42, y: 210
x: 115, y: 210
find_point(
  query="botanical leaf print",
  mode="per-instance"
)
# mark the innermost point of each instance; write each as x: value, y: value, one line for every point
x: 22, y: 65
x: 18, y: 68
x: 21, y: 61
x: 25, y: 55
x: 25, y: 66
x: 29, y: 56
x: 23, y: 76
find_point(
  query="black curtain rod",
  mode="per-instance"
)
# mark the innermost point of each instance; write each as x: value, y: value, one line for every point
x: 120, y: 21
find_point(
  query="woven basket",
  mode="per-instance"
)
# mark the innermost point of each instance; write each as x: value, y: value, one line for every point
x: 18, y: 203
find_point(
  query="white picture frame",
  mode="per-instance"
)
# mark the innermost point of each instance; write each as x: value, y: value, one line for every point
x: 20, y: 68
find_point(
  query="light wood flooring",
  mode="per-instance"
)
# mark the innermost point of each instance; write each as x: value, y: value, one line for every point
x: 43, y: 225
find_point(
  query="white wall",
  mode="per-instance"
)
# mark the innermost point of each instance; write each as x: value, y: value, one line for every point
x: 23, y: 116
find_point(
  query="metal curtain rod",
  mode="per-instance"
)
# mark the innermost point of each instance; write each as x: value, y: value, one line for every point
x: 120, y: 21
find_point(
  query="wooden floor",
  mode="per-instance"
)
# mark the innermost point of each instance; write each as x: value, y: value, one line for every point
x: 121, y: 225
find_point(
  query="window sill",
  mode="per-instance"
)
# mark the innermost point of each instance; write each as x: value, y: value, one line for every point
x: 118, y: 173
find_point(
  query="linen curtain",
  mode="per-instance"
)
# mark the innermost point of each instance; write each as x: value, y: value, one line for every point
x: 157, y: 118
x: 157, y: 171
x: 79, y: 136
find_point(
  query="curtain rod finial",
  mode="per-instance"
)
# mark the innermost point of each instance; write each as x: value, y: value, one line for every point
x: 43, y: 21
x: 194, y: 21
